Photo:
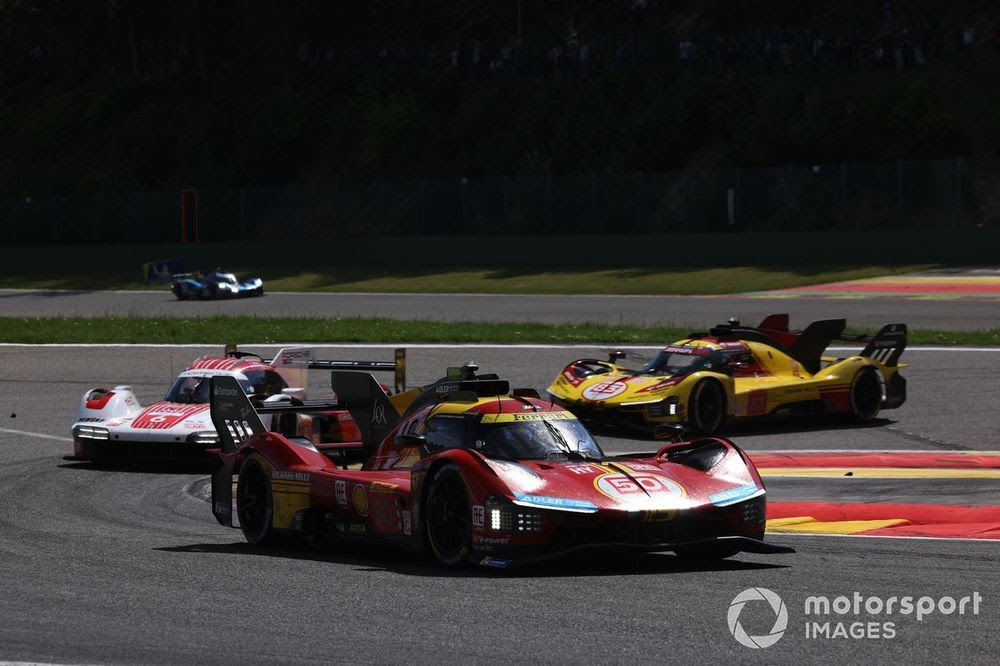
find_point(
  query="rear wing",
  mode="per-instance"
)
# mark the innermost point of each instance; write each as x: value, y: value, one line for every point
x: 887, y: 345
x: 370, y: 406
x: 807, y: 346
x: 236, y: 420
x: 161, y: 272
x: 377, y: 413
x: 293, y: 364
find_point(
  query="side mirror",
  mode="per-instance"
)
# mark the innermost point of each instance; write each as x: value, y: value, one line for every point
x: 673, y: 432
x: 614, y: 355
x: 410, y: 440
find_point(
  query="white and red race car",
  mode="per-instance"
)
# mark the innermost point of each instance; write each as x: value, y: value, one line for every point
x: 112, y: 425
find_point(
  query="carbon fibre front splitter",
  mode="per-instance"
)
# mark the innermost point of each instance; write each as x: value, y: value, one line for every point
x: 742, y: 543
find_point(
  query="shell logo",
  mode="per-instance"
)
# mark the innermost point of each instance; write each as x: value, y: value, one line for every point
x: 359, y: 497
x: 604, y: 390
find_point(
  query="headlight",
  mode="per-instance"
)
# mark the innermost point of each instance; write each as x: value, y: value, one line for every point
x: 753, y: 511
x: 504, y: 517
x: 90, y: 432
x: 664, y: 408
x: 206, y: 439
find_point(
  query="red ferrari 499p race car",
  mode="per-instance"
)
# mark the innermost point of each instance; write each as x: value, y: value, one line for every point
x: 469, y: 471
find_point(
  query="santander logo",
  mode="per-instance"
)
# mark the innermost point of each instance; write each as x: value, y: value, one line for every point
x: 163, y: 415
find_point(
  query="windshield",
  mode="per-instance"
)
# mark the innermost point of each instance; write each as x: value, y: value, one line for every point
x: 681, y: 360
x: 194, y: 390
x: 536, y: 440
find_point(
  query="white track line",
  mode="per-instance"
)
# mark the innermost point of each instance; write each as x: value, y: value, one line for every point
x: 420, y: 345
x: 36, y: 434
x: 781, y: 535
x: 869, y: 451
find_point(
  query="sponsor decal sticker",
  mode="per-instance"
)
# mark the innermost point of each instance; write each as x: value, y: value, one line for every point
x: 734, y: 495
x: 378, y: 413
x: 340, y: 489
x: 165, y: 415
x: 478, y: 515
x: 285, y: 475
x: 407, y: 523
x: 547, y: 502
x: 494, y: 562
x: 490, y: 540
x: 604, y: 390
x: 360, y: 499
x: 515, y: 418
x: 582, y: 469
x: 624, y: 487
x: 641, y: 467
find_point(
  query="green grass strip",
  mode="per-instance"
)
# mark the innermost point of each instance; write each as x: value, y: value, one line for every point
x: 249, y: 330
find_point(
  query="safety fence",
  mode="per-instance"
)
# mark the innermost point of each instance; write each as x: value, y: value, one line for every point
x: 900, y: 194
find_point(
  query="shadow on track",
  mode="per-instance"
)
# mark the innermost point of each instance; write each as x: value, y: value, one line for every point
x: 775, y: 426
x: 378, y: 558
x: 141, y: 466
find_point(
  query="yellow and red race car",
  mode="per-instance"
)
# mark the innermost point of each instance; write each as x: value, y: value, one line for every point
x: 739, y: 372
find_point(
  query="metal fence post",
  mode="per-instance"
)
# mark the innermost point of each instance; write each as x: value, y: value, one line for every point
x: 843, y: 195
x: 958, y: 192
x: 548, y: 181
x: 899, y: 192
x: 243, y: 213
x: 638, y: 202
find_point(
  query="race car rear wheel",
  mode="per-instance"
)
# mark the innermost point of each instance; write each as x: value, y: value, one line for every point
x: 706, y: 407
x: 448, y: 518
x: 254, y: 503
x: 866, y: 395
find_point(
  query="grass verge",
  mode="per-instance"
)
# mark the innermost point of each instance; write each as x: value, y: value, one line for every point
x: 249, y: 330
x: 545, y: 264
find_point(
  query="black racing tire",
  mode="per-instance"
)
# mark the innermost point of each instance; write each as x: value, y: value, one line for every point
x: 708, y: 552
x: 865, y: 395
x: 706, y: 408
x: 255, y: 503
x: 448, y: 518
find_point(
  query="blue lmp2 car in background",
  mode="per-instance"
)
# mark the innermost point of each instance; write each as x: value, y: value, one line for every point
x: 217, y: 284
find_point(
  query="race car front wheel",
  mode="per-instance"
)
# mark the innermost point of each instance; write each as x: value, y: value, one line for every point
x: 866, y: 395
x: 447, y: 515
x: 706, y: 407
x: 254, y: 503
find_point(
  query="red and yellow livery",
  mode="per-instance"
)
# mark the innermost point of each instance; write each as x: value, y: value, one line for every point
x: 740, y: 372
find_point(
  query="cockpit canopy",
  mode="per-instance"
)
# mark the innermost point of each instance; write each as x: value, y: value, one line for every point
x: 683, y: 360
x: 194, y: 389
x: 518, y: 436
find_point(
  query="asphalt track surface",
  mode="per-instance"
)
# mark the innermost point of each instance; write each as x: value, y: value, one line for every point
x: 693, y: 311
x: 128, y: 565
